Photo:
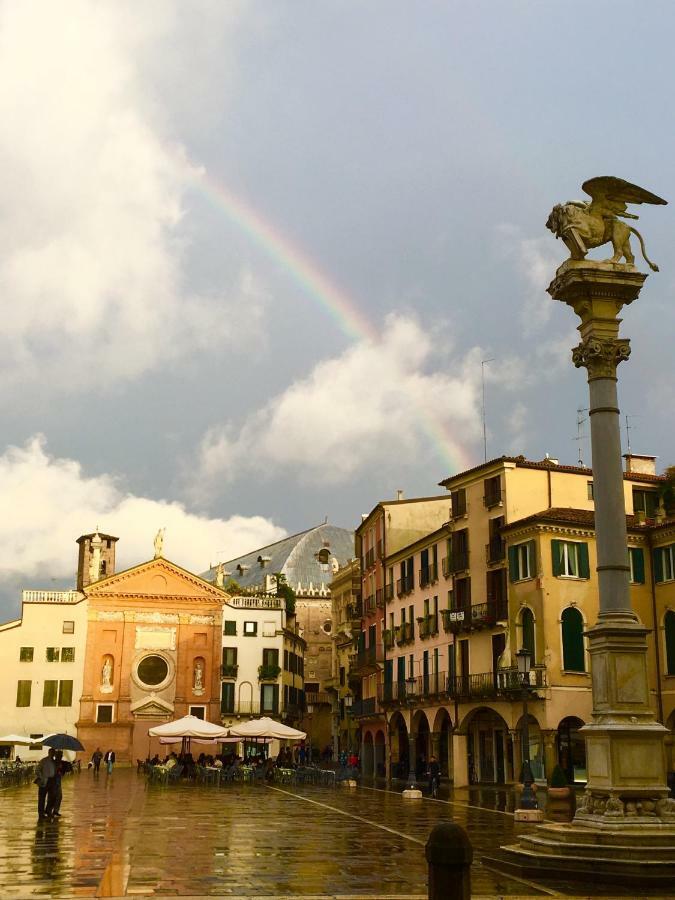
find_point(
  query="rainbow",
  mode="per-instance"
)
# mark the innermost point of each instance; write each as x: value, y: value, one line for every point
x: 320, y: 288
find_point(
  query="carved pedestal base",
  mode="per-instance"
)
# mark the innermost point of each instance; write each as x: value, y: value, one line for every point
x: 528, y: 815
x: 412, y: 794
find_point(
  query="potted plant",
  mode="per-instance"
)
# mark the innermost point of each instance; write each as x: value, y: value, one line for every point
x: 558, y: 786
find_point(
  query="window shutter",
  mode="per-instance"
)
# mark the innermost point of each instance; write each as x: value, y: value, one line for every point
x: 658, y: 564
x: 532, y: 550
x: 573, y: 640
x: 584, y: 567
x: 388, y: 671
x: 669, y: 627
x: 513, y: 564
x: 638, y: 556
x: 556, y: 555
x: 65, y: 693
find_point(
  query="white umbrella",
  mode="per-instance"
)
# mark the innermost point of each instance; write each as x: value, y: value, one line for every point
x: 267, y: 728
x: 18, y: 739
x: 189, y: 727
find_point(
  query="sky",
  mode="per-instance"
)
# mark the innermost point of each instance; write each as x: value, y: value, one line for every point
x: 255, y: 256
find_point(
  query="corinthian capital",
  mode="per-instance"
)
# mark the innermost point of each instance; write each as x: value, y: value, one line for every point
x: 601, y: 357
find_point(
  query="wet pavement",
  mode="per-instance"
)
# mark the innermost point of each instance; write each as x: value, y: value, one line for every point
x: 120, y: 836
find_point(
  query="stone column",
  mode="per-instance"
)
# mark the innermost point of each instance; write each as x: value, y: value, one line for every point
x: 550, y: 739
x: 517, y: 742
x: 624, y: 742
x: 435, y: 745
x: 460, y: 762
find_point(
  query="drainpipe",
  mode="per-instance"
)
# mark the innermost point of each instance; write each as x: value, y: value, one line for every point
x: 550, y: 489
x: 657, y: 651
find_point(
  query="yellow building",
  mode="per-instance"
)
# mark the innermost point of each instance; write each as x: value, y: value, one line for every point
x: 345, y: 591
x: 513, y: 567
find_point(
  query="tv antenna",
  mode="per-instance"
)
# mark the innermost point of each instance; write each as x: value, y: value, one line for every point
x: 629, y: 428
x: 483, y: 363
x: 581, y: 419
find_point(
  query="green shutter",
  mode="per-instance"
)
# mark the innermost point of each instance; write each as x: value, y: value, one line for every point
x: 658, y: 564
x: 513, y: 564
x: 532, y: 545
x: 584, y: 567
x: 388, y: 671
x: 556, y: 556
x: 669, y: 627
x: 527, y: 621
x: 573, y: 640
x: 638, y: 558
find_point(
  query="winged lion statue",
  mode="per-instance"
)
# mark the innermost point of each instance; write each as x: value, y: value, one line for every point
x: 582, y: 225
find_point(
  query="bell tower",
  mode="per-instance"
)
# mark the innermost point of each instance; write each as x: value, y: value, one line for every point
x: 96, y: 558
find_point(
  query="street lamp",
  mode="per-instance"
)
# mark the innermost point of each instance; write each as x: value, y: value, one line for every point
x: 310, y: 711
x: 527, y: 801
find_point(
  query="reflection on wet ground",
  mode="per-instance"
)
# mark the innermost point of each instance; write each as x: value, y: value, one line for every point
x: 121, y: 837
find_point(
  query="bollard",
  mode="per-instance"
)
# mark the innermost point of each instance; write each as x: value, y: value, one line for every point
x: 449, y: 854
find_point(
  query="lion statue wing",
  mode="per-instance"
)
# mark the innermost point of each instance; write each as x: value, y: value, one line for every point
x: 611, y: 188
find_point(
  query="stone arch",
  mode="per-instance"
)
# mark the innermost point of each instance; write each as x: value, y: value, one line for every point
x: 536, y: 745
x: 441, y: 741
x: 489, y: 749
x: 398, y: 746
x: 245, y: 697
x: 422, y: 733
x: 572, y: 748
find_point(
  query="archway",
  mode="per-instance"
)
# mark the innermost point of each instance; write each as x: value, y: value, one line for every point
x: 398, y: 743
x: 536, y: 747
x: 422, y: 732
x: 487, y: 746
x: 368, y: 757
x: 572, y: 749
x: 442, y: 737
x: 380, y: 758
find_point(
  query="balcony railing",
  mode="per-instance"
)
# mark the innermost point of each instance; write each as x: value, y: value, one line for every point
x: 495, y: 550
x: 229, y: 671
x: 388, y: 592
x: 366, y: 659
x: 428, y: 625
x: 473, y: 687
x: 458, y: 561
x: 478, y: 615
x: 268, y: 673
x: 405, y: 585
x: 403, y: 634
x: 483, y: 685
x: 510, y: 681
x: 319, y: 698
x: 242, y: 708
x: 493, y: 498
x: 51, y: 596
x: 428, y: 574
x: 379, y: 598
x: 388, y: 639
x: 369, y: 605
x: 367, y: 707
x: 256, y: 602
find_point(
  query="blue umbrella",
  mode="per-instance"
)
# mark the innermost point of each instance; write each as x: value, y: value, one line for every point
x: 62, y: 742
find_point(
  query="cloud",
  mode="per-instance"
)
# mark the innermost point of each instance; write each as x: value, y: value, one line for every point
x: 380, y: 402
x: 47, y: 503
x: 535, y: 261
x: 92, y: 230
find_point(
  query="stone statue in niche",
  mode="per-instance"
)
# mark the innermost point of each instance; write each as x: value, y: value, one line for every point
x: 107, y: 675
x: 159, y: 543
x: 582, y: 225
x: 198, y: 686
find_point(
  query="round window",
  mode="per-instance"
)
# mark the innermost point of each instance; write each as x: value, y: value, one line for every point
x: 327, y: 626
x: 152, y: 670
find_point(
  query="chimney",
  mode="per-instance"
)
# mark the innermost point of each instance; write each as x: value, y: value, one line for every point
x: 642, y: 465
x: 399, y: 495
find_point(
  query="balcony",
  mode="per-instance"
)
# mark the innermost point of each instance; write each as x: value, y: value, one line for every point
x: 405, y: 586
x: 51, y: 596
x: 268, y: 673
x: 388, y: 639
x: 229, y: 671
x: 495, y: 551
x: 319, y: 698
x: 367, y: 661
x: 388, y: 593
x: 428, y: 625
x: 510, y: 681
x: 369, y: 606
x: 482, y: 686
x: 458, y: 562
x: 379, y: 598
x: 403, y: 634
x: 474, y: 617
x: 256, y: 602
x: 367, y: 707
x: 243, y: 708
x: 493, y: 498
x: 463, y: 688
x: 429, y: 575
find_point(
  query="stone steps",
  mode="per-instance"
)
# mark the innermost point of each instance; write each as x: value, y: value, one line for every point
x: 625, y: 852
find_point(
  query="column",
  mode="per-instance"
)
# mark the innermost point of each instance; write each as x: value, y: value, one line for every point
x: 517, y: 742
x: 436, y: 745
x: 460, y: 762
x: 550, y: 739
x: 624, y: 742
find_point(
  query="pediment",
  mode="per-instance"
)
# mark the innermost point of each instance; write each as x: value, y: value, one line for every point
x: 151, y: 707
x: 157, y: 578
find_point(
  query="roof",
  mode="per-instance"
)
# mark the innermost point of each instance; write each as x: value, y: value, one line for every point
x: 296, y: 557
x: 383, y: 504
x: 584, y: 518
x: 547, y: 464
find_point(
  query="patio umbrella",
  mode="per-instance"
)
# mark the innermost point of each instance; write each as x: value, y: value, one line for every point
x: 18, y: 739
x: 189, y: 727
x: 62, y: 742
x: 267, y: 728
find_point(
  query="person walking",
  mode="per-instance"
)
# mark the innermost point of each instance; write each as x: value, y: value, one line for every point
x: 109, y: 760
x: 44, y: 778
x: 96, y: 758
x: 54, y: 790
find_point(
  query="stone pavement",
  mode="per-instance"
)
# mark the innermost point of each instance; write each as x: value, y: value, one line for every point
x: 121, y: 837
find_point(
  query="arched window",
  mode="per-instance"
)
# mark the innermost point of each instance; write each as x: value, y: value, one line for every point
x: 669, y: 627
x: 573, y: 640
x: 527, y: 622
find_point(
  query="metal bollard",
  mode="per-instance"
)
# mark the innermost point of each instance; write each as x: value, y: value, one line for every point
x: 449, y: 854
